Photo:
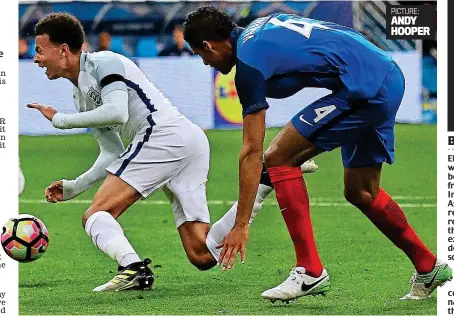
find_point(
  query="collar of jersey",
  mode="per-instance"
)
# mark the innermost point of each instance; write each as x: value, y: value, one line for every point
x: 234, y: 36
x: 83, y: 57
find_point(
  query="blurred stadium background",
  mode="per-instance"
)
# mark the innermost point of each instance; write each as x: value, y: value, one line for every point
x: 144, y: 30
x: 365, y: 281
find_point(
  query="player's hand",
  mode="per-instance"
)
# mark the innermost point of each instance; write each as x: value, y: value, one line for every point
x: 54, y: 192
x: 46, y: 111
x: 235, y: 241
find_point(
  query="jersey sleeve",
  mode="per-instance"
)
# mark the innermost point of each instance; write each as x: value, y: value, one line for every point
x: 109, y: 65
x: 250, y: 86
x: 110, y: 72
x: 113, y: 111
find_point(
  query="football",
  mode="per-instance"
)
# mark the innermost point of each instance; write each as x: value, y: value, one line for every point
x: 25, y: 238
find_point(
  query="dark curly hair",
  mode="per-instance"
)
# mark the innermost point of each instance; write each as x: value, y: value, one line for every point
x: 207, y: 24
x: 62, y: 28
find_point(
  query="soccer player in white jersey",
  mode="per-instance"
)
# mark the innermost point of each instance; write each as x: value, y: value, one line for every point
x: 114, y: 98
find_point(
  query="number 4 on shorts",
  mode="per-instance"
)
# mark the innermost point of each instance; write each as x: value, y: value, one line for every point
x: 323, y: 111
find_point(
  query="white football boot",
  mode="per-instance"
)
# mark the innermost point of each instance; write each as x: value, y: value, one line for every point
x: 424, y: 284
x: 298, y: 284
x: 309, y: 167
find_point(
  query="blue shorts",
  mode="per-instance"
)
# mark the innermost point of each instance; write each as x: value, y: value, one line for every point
x: 363, y: 129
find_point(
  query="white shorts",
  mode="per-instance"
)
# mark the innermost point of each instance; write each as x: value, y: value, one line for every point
x: 177, y: 160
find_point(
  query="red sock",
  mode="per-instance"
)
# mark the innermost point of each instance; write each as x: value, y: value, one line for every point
x: 293, y: 201
x: 389, y: 218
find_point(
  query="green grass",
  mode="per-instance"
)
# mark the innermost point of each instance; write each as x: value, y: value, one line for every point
x: 368, y: 273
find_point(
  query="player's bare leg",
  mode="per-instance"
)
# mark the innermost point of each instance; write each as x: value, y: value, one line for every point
x: 290, y: 148
x: 193, y: 237
x: 200, y: 241
x: 362, y: 189
x: 286, y: 152
x: 112, y: 199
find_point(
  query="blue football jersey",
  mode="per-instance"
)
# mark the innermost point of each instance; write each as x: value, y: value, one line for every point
x: 281, y: 54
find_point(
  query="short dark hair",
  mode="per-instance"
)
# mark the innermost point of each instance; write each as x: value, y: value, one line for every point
x: 62, y: 28
x: 207, y: 24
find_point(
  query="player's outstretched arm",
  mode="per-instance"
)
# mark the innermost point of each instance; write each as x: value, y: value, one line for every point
x: 110, y: 73
x: 110, y: 146
x: 113, y: 111
x: 250, y: 168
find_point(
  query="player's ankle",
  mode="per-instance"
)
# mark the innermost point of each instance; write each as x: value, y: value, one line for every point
x: 426, y: 265
x: 312, y: 271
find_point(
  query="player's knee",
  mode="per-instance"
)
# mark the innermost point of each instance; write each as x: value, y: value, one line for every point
x: 94, y: 209
x: 272, y: 158
x: 275, y: 157
x: 84, y: 219
x: 202, y: 260
x: 204, y: 265
x: 358, y: 196
x: 87, y: 215
x: 102, y: 205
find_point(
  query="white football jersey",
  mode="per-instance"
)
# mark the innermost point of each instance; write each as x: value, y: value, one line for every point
x: 147, y: 106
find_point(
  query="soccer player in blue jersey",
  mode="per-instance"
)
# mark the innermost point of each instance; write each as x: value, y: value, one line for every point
x: 276, y: 56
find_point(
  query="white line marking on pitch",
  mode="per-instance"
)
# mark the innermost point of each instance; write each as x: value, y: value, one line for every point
x: 319, y: 202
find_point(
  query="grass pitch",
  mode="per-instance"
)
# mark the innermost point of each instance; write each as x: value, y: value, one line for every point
x: 368, y: 273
